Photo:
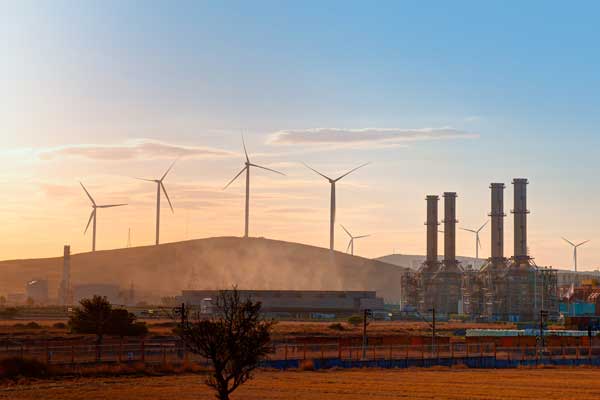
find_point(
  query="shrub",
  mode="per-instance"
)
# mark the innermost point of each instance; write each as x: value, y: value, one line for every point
x: 355, y: 320
x: 14, y: 367
x: 33, y: 325
x: 59, y: 325
x: 337, y: 327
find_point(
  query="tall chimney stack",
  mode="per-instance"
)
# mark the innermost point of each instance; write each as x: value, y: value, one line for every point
x: 450, y: 227
x: 520, y: 211
x: 65, y: 284
x: 432, y: 229
x: 497, y: 215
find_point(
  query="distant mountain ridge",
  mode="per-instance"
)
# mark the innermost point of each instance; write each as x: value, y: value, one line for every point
x: 414, y: 262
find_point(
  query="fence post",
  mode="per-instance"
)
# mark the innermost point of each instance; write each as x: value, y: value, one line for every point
x: 304, y: 352
x: 72, y: 355
x: 47, y: 353
x: 322, y: 353
x: 143, y: 351
x: 121, y: 350
x: 339, y: 350
x: 391, y: 353
x: 495, y: 355
x: 286, y: 352
x: 164, y: 353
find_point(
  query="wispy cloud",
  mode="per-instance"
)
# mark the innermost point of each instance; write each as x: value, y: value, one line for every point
x: 141, y: 149
x: 365, y: 136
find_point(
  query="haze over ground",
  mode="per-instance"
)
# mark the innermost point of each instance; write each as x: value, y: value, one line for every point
x: 479, y: 93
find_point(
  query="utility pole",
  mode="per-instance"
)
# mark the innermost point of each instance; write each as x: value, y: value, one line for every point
x: 543, y: 314
x: 366, y: 313
x: 432, y: 328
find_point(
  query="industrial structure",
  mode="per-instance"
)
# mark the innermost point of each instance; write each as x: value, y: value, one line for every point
x: 514, y: 289
x: 295, y: 303
x: 65, y: 291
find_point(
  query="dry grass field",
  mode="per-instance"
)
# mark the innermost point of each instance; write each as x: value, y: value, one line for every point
x: 372, y: 384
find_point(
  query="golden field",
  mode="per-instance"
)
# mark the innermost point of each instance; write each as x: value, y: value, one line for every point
x: 372, y: 384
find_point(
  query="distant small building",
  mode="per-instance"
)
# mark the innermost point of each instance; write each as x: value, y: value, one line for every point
x: 88, y: 290
x: 37, y: 290
x: 295, y: 302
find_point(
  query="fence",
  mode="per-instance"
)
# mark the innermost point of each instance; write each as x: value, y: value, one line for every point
x: 323, y: 355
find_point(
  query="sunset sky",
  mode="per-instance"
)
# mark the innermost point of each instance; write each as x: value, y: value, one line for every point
x: 102, y: 92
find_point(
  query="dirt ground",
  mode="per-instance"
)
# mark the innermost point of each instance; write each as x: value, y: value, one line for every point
x: 372, y: 384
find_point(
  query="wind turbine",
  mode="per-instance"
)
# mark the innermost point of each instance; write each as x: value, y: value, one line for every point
x: 247, y: 166
x: 159, y: 186
x: 332, y: 206
x: 93, y: 215
x: 351, y: 243
x: 575, y: 246
x: 477, y: 241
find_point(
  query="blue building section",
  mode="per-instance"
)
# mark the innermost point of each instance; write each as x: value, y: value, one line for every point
x: 577, y: 309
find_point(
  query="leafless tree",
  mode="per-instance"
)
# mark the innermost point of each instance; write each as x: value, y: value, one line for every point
x: 235, y: 340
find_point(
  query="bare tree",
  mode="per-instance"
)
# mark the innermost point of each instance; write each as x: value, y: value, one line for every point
x: 234, y: 340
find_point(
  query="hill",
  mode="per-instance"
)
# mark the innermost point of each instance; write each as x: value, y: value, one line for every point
x: 414, y: 261
x: 213, y: 263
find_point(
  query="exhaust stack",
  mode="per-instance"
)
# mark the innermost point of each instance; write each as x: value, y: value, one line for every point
x: 432, y: 229
x: 450, y: 228
x: 497, y: 215
x: 64, y: 294
x: 520, y: 212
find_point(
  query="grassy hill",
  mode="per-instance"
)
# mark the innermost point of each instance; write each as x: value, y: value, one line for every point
x: 213, y: 263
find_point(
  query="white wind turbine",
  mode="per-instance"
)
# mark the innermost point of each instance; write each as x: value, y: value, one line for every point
x: 332, y: 202
x: 477, y: 241
x: 93, y: 215
x: 575, y: 246
x: 247, y: 166
x: 159, y: 186
x: 352, y: 238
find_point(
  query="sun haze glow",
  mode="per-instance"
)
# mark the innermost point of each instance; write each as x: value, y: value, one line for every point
x: 108, y: 92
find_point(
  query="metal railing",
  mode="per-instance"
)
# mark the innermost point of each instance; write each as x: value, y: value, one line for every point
x: 174, y: 351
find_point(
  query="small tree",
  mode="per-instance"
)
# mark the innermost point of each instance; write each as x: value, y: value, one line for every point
x: 234, y: 341
x: 97, y: 316
x: 92, y: 317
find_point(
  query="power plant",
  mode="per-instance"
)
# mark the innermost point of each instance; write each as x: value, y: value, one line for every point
x: 514, y: 289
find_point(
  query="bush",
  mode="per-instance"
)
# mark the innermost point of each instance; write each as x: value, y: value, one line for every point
x: 33, y: 325
x: 355, y: 320
x: 337, y: 327
x: 14, y: 367
x: 59, y: 325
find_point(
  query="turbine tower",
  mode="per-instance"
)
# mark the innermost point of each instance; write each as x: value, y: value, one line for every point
x: 159, y: 186
x: 477, y: 241
x: 332, y: 207
x: 351, y: 243
x: 247, y: 166
x: 93, y: 215
x: 575, y: 246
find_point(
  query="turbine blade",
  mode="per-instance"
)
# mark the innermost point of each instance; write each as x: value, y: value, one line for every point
x: 362, y: 236
x: 346, y: 230
x: 483, y: 226
x: 582, y: 243
x: 478, y: 242
x: 167, y: 196
x: 234, y: 178
x: 147, y: 180
x: 568, y: 241
x: 111, y: 205
x: 268, y: 169
x: 317, y: 172
x: 89, y: 221
x: 169, y: 170
x: 88, y: 194
x: 349, y: 244
x: 351, y: 171
x: 245, y: 151
x: 468, y: 230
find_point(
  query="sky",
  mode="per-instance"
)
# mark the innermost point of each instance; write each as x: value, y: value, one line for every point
x: 436, y: 96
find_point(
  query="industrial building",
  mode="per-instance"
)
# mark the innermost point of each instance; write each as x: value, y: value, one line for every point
x: 299, y: 303
x: 89, y: 290
x: 513, y: 289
